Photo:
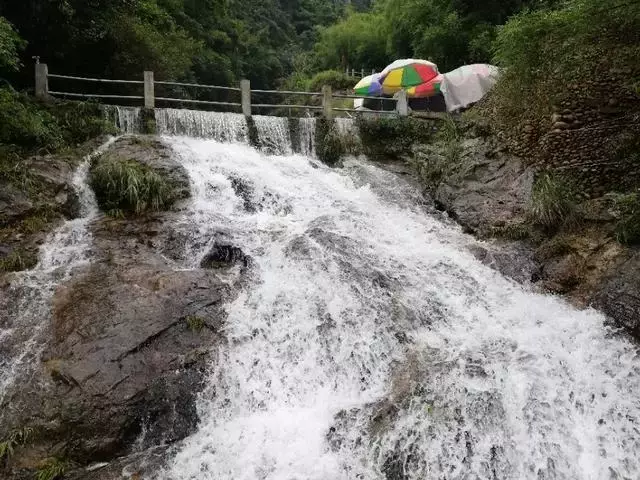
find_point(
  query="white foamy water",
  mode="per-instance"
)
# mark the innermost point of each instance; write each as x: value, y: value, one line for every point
x: 126, y: 120
x: 370, y: 344
x: 26, y: 310
x: 308, y: 136
x: 224, y: 127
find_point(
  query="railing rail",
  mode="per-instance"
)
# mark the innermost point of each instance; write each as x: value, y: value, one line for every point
x: 326, y: 95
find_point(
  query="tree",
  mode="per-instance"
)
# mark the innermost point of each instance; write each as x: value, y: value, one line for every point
x: 10, y: 46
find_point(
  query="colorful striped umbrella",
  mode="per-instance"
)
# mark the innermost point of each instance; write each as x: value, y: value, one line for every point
x: 426, y: 89
x: 407, y: 73
x: 369, y: 86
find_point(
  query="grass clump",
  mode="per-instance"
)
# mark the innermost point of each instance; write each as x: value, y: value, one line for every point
x: 195, y: 323
x: 15, y: 439
x: 52, y: 469
x: 126, y: 186
x: 553, y: 201
x: 17, y: 261
x: 628, y: 227
x: 450, y: 137
x: 512, y: 231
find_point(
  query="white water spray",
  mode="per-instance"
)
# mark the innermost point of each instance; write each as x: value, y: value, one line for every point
x: 371, y: 345
x: 26, y: 313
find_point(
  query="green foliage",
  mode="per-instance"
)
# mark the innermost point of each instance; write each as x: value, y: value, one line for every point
x: 128, y: 186
x: 545, y: 51
x: 628, y: 227
x: 355, y: 41
x: 336, y: 80
x: 10, y: 46
x: 195, y: 323
x: 553, y: 201
x: 52, y: 469
x: 207, y: 41
x: 15, y: 439
x: 33, y: 126
x: 17, y: 261
x: 25, y: 124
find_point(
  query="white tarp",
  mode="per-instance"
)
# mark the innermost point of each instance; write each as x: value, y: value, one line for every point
x: 467, y: 85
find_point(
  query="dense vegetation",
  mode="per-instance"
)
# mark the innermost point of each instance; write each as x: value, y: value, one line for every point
x: 272, y: 42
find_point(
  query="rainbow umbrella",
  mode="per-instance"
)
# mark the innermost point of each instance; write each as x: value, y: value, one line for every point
x: 369, y: 86
x: 407, y: 73
x: 426, y: 89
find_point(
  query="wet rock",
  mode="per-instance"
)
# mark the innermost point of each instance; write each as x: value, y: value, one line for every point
x: 14, y: 204
x: 244, y: 190
x: 483, y: 192
x: 619, y: 295
x: 223, y: 256
x: 127, y: 352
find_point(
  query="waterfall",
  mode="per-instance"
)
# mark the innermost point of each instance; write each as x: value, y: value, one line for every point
x: 369, y: 344
x: 25, y: 314
x: 223, y: 127
x: 126, y: 120
x: 273, y: 134
x: 307, y: 127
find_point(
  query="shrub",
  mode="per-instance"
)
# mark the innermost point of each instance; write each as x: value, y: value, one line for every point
x: 336, y: 80
x: 628, y: 227
x: 553, y: 201
x: 128, y: 186
x: 26, y: 125
x: 30, y: 126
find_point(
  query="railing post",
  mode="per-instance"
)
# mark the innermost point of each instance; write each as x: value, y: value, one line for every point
x: 245, y: 95
x: 149, y: 90
x: 42, y: 81
x: 327, y: 102
x: 402, y: 106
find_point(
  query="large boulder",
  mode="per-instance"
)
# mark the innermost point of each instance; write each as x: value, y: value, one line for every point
x: 619, y: 294
x: 486, y: 188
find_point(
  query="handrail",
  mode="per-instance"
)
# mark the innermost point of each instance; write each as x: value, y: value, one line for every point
x: 178, y: 84
x: 385, y: 112
x: 100, y: 80
x: 267, y: 105
x: 288, y: 92
x: 95, y: 95
x: 358, y: 97
x: 204, y: 102
x: 323, y: 101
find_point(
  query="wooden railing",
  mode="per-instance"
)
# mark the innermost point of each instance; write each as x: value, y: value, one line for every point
x: 148, y: 97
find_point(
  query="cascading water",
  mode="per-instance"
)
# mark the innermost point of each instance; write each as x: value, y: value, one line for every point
x: 273, y: 134
x: 307, y: 127
x: 24, y: 317
x: 126, y: 120
x: 371, y: 345
x: 224, y: 127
